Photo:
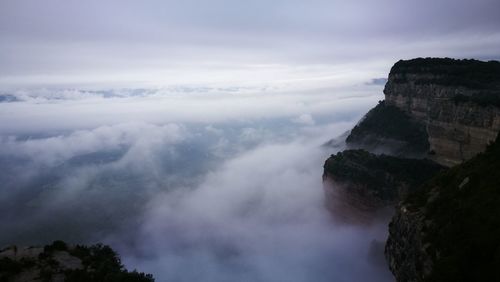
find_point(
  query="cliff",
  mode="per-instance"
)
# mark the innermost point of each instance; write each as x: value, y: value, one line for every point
x: 458, y: 101
x: 449, y: 230
x: 60, y: 262
x: 446, y: 226
x: 444, y: 109
x: 386, y: 129
x: 360, y: 182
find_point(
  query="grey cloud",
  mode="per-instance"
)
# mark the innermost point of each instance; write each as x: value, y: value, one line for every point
x: 235, y: 200
x: 128, y: 19
x: 128, y: 41
x: 37, y: 114
x: 259, y: 217
x: 377, y: 81
x: 212, y: 171
x: 54, y: 150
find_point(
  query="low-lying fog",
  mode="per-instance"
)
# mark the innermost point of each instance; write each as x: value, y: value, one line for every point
x: 198, y: 185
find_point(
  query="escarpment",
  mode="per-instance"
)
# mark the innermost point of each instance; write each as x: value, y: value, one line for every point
x: 359, y: 182
x: 458, y: 102
x: 439, y: 123
x: 449, y: 229
x: 386, y: 129
x: 443, y: 109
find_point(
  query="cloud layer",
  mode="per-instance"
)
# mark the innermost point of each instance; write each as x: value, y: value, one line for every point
x: 259, y: 217
x: 188, y: 186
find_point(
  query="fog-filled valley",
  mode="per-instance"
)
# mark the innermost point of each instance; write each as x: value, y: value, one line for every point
x: 262, y: 141
x: 189, y: 185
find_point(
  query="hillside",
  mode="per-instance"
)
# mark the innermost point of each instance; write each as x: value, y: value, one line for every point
x: 61, y: 262
x: 387, y: 129
x: 450, y: 229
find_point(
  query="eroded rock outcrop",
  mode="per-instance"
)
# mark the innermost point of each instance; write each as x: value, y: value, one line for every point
x: 458, y: 101
x: 446, y: 226
x: 449, y: 229
x: 386, y: 129
x: 358, y: 183
x: 444, y: 109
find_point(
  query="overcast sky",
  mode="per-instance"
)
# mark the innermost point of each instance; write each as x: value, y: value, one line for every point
x: 129, y: 43
x: 196, y: 173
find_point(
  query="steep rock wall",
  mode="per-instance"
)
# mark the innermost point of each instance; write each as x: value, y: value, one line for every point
x: 358, y: 184
x: 457, y: 100
x: 448, y: 230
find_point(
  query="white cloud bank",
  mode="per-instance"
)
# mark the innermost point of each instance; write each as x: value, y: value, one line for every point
x: 259, y: 217
x: 222, y: 187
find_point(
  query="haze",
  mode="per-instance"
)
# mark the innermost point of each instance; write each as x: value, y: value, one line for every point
x: 188, y: 134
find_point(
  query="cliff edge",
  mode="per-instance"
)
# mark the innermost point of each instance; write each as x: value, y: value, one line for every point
x: 358, y: 183
x: 449, y: 230
x: 443, y: 109
x: 458, y: 101
x: 437, y: 113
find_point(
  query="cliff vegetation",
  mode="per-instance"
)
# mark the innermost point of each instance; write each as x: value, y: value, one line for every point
x: 385, y: 178
x: 468, y: 73
x: 388, y: 129
x: 60, y: 262
x: 459, y: 214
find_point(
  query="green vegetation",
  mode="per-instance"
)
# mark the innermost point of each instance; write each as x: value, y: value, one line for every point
x: 9, y: 268
x: 464, y: 235
x: 388, y: 122
x: 100, y: 264
x: 468, y: 73
x: 382, y: 175
x: 55, y: 246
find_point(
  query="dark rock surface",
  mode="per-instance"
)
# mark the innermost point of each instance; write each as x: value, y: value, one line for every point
x: 367, y: 182
x: 447, y: 223
x: 457, y: 100
x: 449, y: 230
x: 387, y: 129
x: 444, y: 109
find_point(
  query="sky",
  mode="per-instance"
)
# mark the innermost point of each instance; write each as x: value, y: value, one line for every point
x: 189, y: 135
x: 157, y: 43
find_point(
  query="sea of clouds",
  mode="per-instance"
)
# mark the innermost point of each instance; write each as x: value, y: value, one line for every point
x: 187, y: 183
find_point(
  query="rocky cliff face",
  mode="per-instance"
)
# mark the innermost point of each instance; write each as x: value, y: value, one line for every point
x: 458, y: 101
x: 405, y: 248
x: 447, y: 110
x: 388, y: 130
x: 449, y: 229
x: 358, y: 183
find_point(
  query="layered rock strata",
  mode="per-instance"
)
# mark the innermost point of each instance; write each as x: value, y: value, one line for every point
x: 359, y: 183
x: 458, y: 101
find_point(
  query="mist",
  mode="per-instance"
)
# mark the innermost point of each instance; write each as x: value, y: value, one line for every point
x: 226, y: 188
x: 190, y: 135
x: 260, y: 217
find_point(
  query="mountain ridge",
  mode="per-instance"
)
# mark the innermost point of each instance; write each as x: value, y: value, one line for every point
x: 437, y: 112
